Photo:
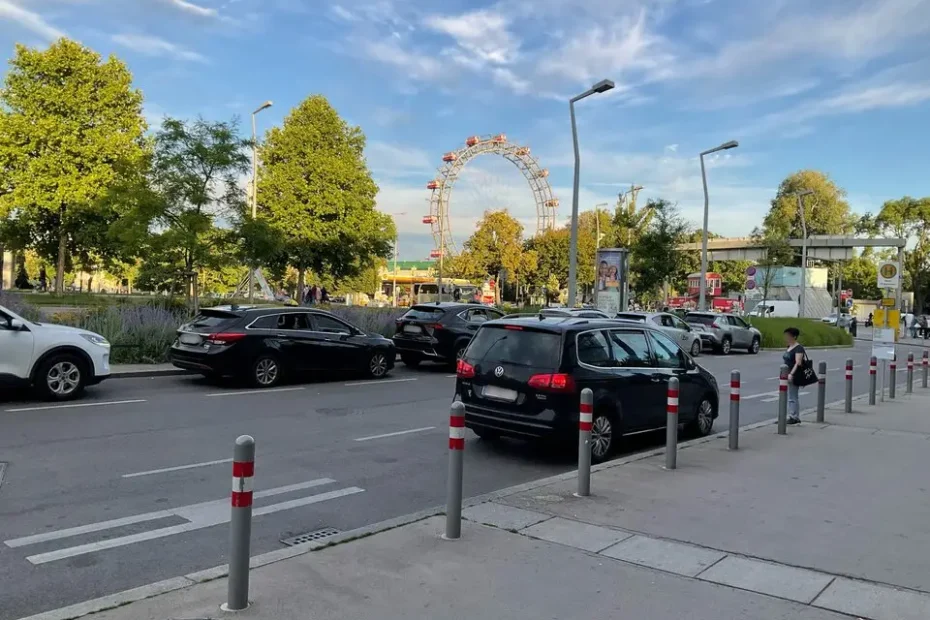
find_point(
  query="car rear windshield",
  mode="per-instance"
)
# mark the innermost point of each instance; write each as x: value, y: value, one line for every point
x: 209, y: 319
x: 425, y: 313
x: 701, y: 319
x: 632, y: 317
x: 522, y: 347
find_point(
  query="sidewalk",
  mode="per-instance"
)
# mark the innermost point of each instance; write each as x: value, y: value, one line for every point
x: 826, y: 521
x: 132, y: 371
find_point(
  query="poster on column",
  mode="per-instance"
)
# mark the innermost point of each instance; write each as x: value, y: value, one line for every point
x: 609, y: 272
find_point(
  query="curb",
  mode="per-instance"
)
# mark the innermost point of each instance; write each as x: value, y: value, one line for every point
x: 139, y: 374
x: 834, y: 346
x: 133, y: 595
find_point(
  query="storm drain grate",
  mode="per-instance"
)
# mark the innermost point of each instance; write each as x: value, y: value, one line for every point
x: 321, y: 534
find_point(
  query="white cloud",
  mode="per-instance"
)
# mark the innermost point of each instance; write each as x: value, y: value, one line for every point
x: 29, y: 20
x: 483, y: 35
x: 343, y: 13
x: 156, y: 47
x: 413, y: 64
x: 193, y: 9
x: 391, y: 161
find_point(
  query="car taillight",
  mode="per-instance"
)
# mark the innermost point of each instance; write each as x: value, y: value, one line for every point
x: 436, y: 326
x: 224, y: 339
x: 558, y: 382
x: 714, y: 326
x: 514, y: 327
x: 464, y: 370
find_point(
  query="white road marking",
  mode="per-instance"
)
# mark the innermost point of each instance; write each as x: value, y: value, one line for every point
x: 407, y: 432
x: 178, y: 468
x: 78, y: 405
x: 245, y: 392
x: 378, y: 382
x: 451, y: 376
x: 772, y: 400
x: 762, y: 395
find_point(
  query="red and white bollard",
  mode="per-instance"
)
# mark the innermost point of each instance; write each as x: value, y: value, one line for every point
x: 849, y: 386
x: 910, y: 374
x: 873, y: 371
x: 671, y: 428
x: 456, y: 462
x: 734, y: 409
x: 585, y: 421
x: 783, y: 400
x: 925, y: 362
x: 893, y: 377
x: 237, y: 595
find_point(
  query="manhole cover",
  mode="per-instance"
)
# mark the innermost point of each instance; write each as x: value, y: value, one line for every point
x: 321, y: 534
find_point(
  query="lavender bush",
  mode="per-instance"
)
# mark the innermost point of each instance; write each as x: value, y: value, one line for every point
x: 372, y: 320
x: 139, y: 334
x: 15, y: 303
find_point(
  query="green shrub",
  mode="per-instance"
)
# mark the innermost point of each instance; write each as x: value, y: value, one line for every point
x: 18, y: 304
x: 372, y: 320
x: 814, y: 333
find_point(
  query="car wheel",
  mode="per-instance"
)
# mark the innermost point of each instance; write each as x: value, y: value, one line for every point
x: 604, y: 437
x: 695, y: 348
x: 754, y: 347
x: 378, y: 365
x: 61, y: 377
x: 703, y: 422
x: 726, y: 346
x: 266, y: 371
x: 410, y: 360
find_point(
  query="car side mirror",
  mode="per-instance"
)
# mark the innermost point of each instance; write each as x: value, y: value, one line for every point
x: 16, y: 325
x: 690, y: 364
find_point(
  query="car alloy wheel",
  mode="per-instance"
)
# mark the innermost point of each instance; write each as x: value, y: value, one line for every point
x: 63, y: 379
x: 378, y: 365
x: 754, y: 348
x: 602, y: 435
x: 695, y: 348
x: 705, y: 417
x: 266, y: 371
x: 725, y: 347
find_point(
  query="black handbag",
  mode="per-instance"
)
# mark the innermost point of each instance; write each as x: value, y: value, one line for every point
x: 805, y: 375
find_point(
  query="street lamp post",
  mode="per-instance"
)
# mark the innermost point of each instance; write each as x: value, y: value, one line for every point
x: 702, y: 300
x: 600, y: 87
x: 802, y: 302
x: 597, y: 220
x: 263, y: 106
x: 629, y: 229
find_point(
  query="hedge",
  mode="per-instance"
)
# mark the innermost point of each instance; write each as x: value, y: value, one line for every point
x: 814, y: 333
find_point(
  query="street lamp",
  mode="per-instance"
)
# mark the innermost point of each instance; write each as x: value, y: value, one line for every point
x: 263, y: 106
x: 597, y: 220
x: 702, y: 301
x: 622, y: 197
x: 601, y: 87
x: 802, y: 302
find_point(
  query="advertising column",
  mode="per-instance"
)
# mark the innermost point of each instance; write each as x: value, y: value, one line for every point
x: 611, y: 289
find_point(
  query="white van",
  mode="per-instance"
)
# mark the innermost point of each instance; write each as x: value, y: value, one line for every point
x: 771, y: 308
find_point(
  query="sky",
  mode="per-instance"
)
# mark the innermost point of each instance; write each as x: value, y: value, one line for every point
x: 842, y: 86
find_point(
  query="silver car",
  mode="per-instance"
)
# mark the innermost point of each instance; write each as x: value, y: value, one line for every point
x: 686, y: 337
x: 725, y: 332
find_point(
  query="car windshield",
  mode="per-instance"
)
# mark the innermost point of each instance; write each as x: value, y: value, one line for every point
x: 700, y: 319
x: 424, y: 313
x: 516, y: 346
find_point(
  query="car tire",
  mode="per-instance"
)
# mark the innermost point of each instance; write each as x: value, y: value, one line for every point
x: 605, y: 436
x: 695, y: 348
x: 703, y: 422
x: 61, y: 377
x: 266, y: 371
x: 755, y: 346
x: 459, y: 352
x: 726, y: 346
x: 377, y: 365
x: 410, y: 360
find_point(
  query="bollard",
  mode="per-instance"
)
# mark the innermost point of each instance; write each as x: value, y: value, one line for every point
x: 585, y: 419
x: 240, y: 531
x: 783, y: 400
x: 849, y: 386
x: 671, y: 425
x: 926, y: 365
x: 910, y: 374
x: 821, y: 390
x: 893, y: 376
x: 873, y: 363
x: 734, y: 410
x: 454, y: 484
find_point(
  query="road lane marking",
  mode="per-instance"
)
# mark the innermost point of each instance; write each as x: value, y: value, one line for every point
x: 178, y: 468
x: 377, y: 382
x: 407, y: 432
x: 245, y: 392
x: 203, y: 510
x: 762, y: 395
x: 772, y: 400
x: 451, y: 376
x: 305, y: 501
x: 78, y: 405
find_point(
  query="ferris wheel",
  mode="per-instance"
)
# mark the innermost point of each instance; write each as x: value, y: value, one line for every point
x: 453, y: 164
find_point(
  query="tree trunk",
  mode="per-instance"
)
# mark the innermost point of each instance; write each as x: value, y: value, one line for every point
x: 62, y: 253
x: 2, y: 250
x: 301, y: 274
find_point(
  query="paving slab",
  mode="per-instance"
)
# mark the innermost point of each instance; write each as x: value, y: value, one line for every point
x: 795, y: 584
x: 576, y: 534
x: 503, y: 516
x: 670, y: 556
x: 874, y: 601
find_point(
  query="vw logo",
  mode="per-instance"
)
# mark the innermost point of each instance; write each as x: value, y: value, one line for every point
x: 499, y: 371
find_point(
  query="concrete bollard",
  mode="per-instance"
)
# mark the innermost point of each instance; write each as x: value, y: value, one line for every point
x: 783, y: 400
x: 925, y: 362
x: 821, y: 390
x: 873, y: 371
x: 240, y: 531
x: 910, y: 374
x: 893, y: 378
x: 671, y: 425
x: 734, y: 409
x: 585, y: 418
x: 456, y: 462
x: 849, y: 386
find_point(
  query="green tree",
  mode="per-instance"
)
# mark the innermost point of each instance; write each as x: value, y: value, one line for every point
x: 316, y: 190
x: 551, y: 249
x: 655, y: 256
x: 909, y: 218
x: 861, y: 275
x: 497, y: 246
x: 629, y: 223
x: 71, y: 124
x: 826, y: 211
x: 22, y: 276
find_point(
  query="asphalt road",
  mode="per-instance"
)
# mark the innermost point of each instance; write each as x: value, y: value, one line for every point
x: 131, y: 484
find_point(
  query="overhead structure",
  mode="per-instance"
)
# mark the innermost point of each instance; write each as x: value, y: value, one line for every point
x: 455, y: 161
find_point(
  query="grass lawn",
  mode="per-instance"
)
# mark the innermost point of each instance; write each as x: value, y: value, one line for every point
x: 814, y: 333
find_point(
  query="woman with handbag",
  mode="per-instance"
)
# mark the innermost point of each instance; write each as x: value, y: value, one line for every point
x: 794, y: 357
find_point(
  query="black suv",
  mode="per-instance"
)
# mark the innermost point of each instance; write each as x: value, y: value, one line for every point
x: 523, y: 377
x: 439, y: 331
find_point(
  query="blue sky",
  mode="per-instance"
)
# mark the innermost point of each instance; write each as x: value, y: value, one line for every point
x: 838, y: 85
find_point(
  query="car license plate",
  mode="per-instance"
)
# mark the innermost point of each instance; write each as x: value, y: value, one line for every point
x: 189, y: 339
x: 412, y: 329
x: 491, y: 391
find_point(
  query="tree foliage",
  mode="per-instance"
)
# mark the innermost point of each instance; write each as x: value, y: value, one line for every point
x: 826, y: 211
x: 909, y: 218
x: 496, y: 249
x: 655, y: 256
x: 316, y: 191
x: 70, y: 124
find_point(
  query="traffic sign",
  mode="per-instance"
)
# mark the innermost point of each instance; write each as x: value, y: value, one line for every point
x: 750, y: 284
x: 849, y: 303
x: 750, y: 271
x: 889, y: 302
x: 889, y: 275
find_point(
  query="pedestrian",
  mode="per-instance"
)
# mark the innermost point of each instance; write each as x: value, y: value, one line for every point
x: 794, y: 359
x: 314, y: 293
x: 324, y: 295
x: 854, y: 326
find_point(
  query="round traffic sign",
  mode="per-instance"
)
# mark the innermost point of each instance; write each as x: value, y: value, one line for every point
x: 750, y: 284
x: 750, y: 271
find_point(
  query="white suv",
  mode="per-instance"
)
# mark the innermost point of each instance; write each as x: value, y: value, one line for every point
x: 58, y: 361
